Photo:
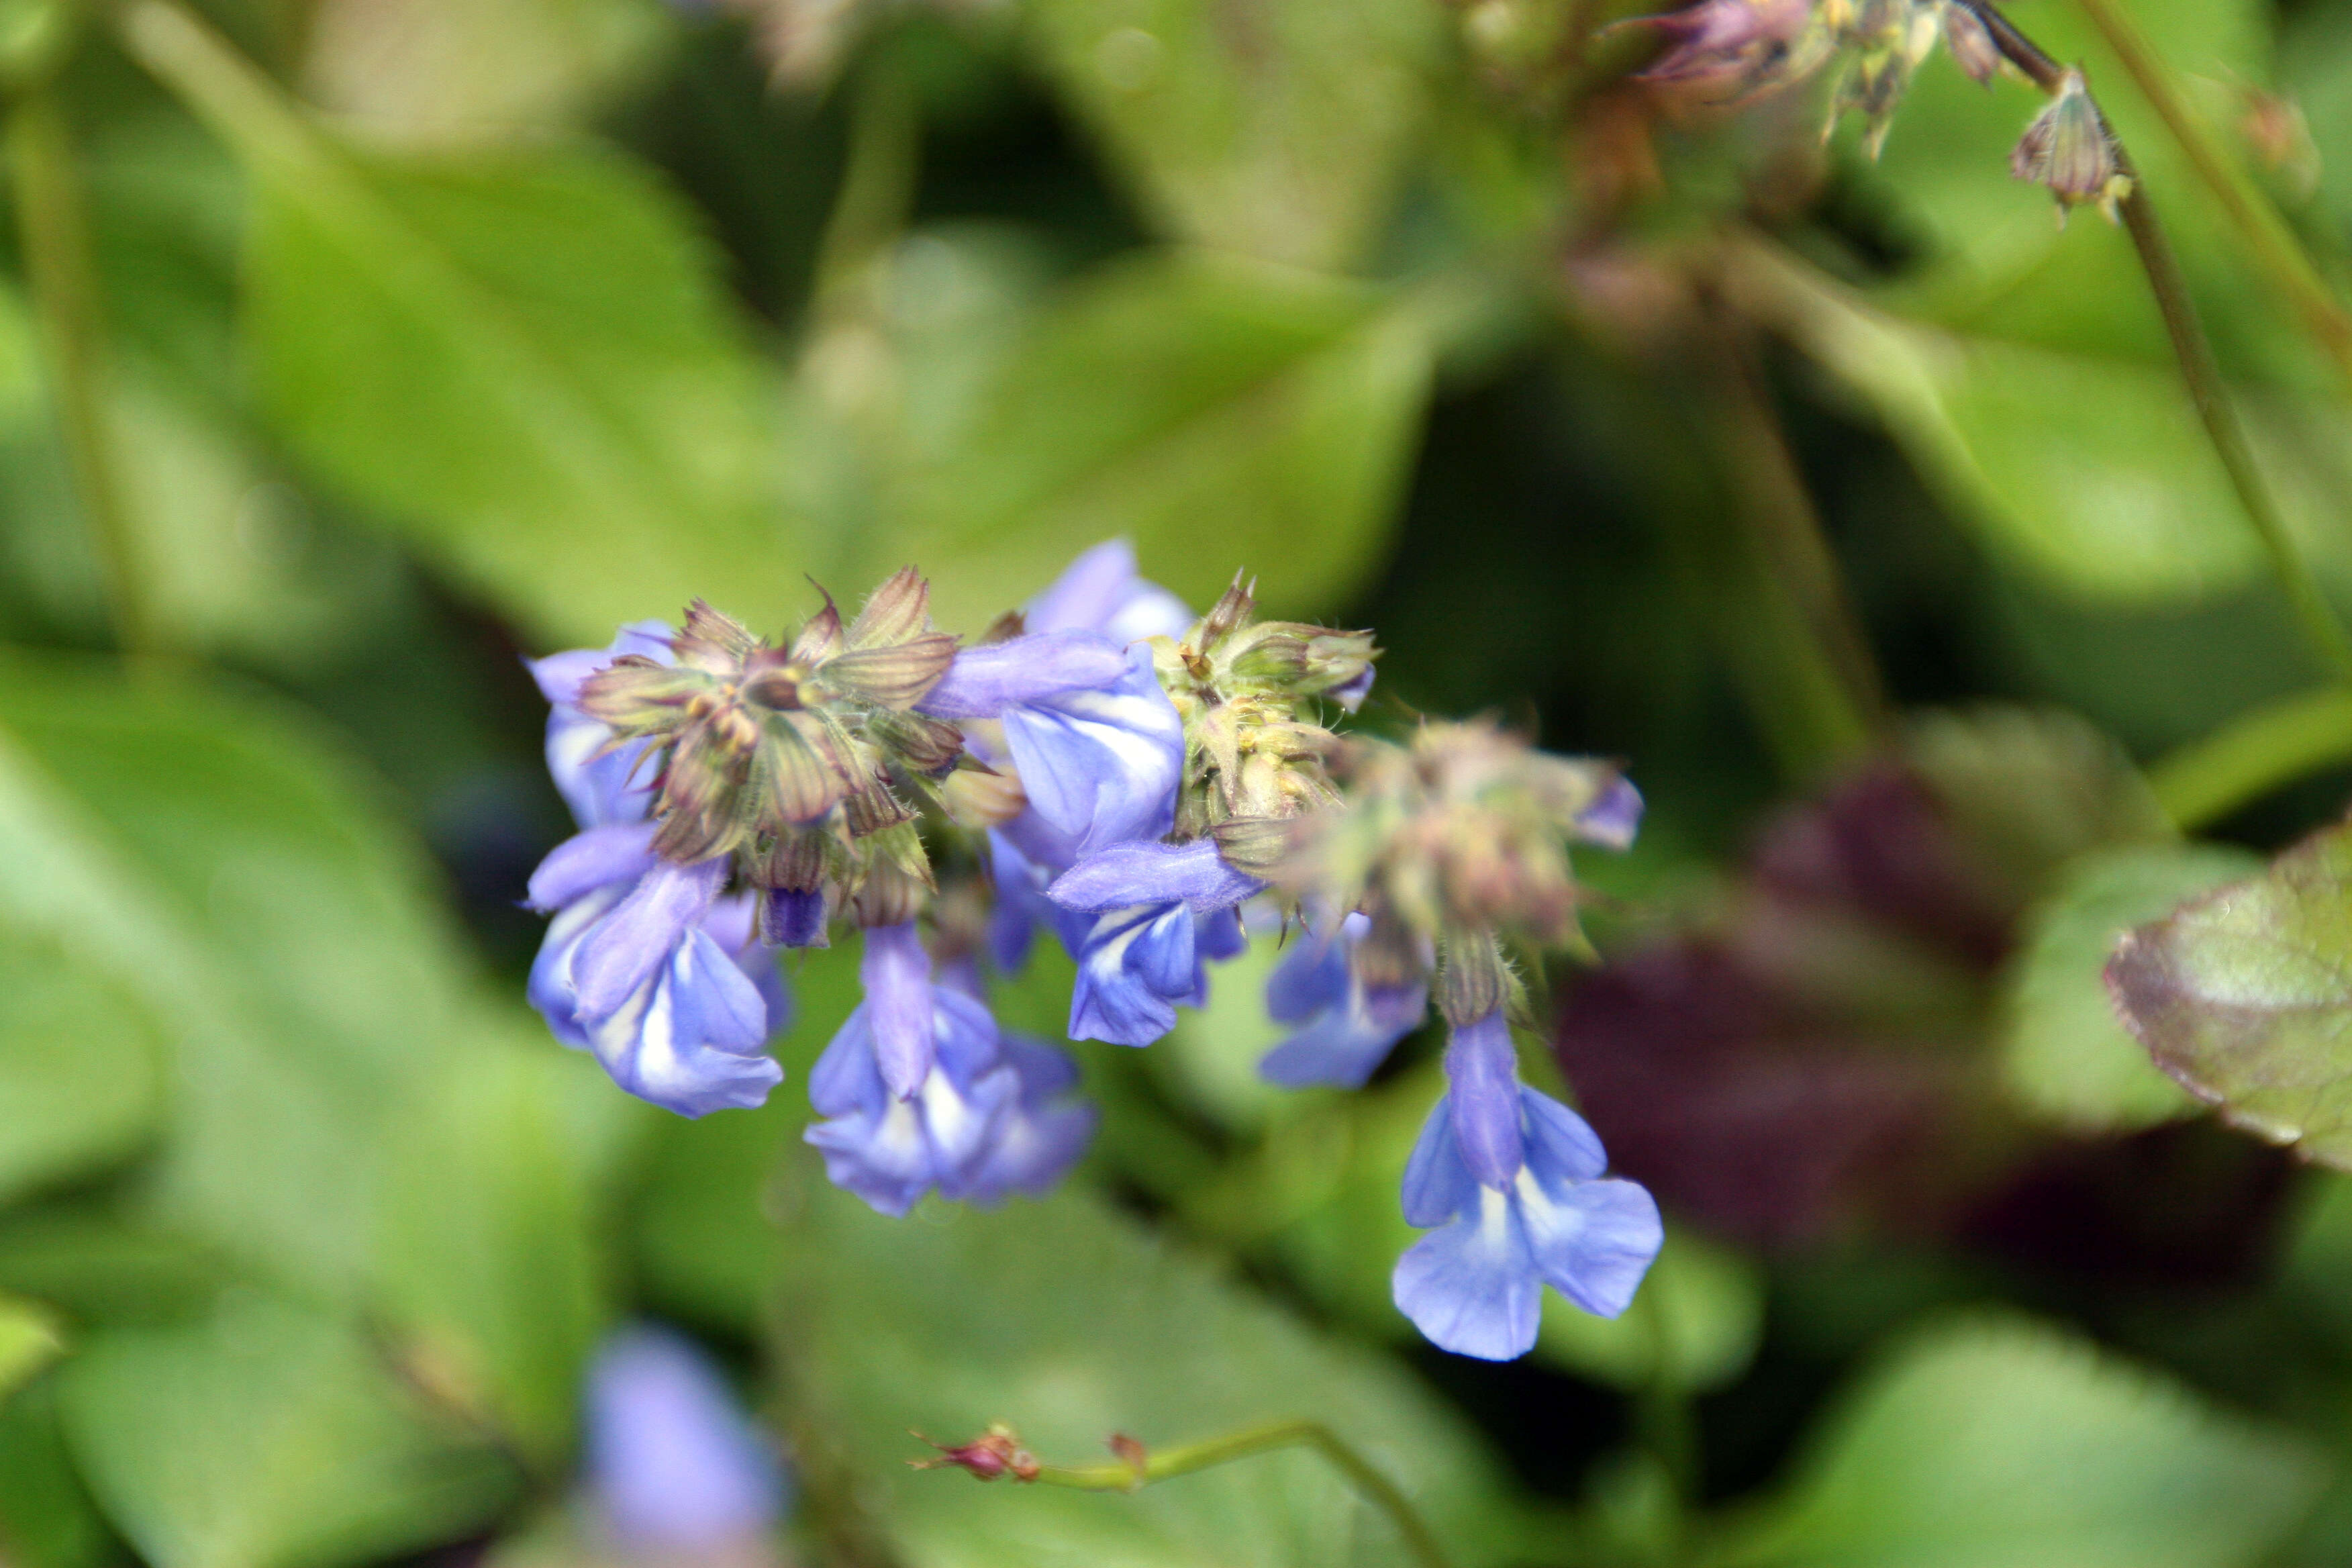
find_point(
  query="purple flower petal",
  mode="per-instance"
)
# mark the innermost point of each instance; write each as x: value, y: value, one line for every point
x: 673, y: 1465
x: 1351, y: 694
x: 1101, y: 766
x: 631, y: 945
x: 1437, y: 1185
x: 796, y: 917
x: 1125, y: 875
x: 1613, y: 820
x: 595, y: 857
x: 1591, y: 1241
x: 897, y: 975
x: 691, y: 1042
x: 1100, y: 592
x: 1346, y: 1044
x: 1471, y: 1285
x: 1137, y: 965
x: 1482, y: 1079
x: 984, y: 681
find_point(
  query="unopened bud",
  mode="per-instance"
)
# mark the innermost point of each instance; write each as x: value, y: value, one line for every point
x: 1972, y: 47
x: 995, y: 1452
x: 2068, y: 149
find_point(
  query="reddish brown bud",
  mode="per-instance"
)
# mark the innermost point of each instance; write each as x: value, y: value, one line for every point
x: 995, y: 1452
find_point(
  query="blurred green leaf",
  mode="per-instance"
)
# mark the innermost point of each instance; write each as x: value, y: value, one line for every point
x: 81, y: 1065
x: 30, y: 1339
x: 2242, y: 996
x: 229, y: 873
x: 1071, y: 1324
x: 99, y: 1268
x: 490, y: 1262
x: 2007, y: 1444
x: 1278, y: 129
x: 453, y: 72
x: 2089, y: 471
x: 2065, y: 1053
x: 46, y: 1517
x: 267, y: 1436
x: 523, y: 361
x: 1220, y: 413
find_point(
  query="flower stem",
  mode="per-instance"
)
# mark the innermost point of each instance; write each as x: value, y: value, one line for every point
x: 2253, y: 754
x: 1166, y: 1464
x: 2199, y: 369
x: 54, y: 236
x: 2273, y: 244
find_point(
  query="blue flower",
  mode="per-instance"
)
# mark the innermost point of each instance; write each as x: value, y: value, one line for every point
x: 1613, y: 820
x: 601, y: 786
x: 1160, y: 911
x: 1349, y: 1028
x: 1100, y: 591
x: 674, y: 1468
x: 646, y: 966
x: 1512, y: 1180
x: 920, y: 1091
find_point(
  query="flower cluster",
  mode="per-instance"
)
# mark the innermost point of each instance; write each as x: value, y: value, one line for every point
x: 1109, y: 769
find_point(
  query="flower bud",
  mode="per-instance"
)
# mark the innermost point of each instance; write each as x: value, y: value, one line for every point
x: 2069, y: 149
x: 1972, y: 47
x: 995, y: 1452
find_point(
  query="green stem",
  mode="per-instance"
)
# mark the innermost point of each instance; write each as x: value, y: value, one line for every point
x: 55, y: 233
x: 1166, y: 1464
x: 2272, y: 243
x: 2199, y: 369
x: 2253, y: 754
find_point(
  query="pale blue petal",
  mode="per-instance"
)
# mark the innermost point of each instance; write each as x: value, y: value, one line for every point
x: 552, y: 990
x: 1312, y: 975
x: 1112, y: 1000
x: 1346, y: 1044
x: 1561, y: 1145
x: 984, y: 681
x: 1101, y: 767
x: 1613, y: 820
x: 1591, y: 1241
x: 1437, y: 1185
x: 1470, y: 1287
x: 691, y: 1041
x: 596, y: 857
x: 631, y: 945
x: 897, y: 975
x: 1482, y: 1083
x: 1125, y: 875
x: 1100, y: 592
x: 674, y: 1468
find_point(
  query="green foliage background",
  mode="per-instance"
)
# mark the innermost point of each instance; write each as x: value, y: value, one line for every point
x: 438, y: 332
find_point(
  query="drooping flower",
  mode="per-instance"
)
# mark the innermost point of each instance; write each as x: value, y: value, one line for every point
x: 1161, y: 911
x: 922, y: 1092
x: 1511, y: 1184
x: 1727, y: 49
x: 2069, y: 151
x: 675, y: 1469
x: 1347, y: 1023
x: 645, y: 966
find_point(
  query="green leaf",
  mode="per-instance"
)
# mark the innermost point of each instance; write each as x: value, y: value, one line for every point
x: 2089, y: 471
x: 2007, y: 1444
x: 30, y: 1339
x: 1071, y: 1324
x: 1218, y: 412
x: 2065, y: 1053
x: 225, y: 870
x: 47, y: 1516
x: 2244, y: 995
x: 524, y: 361
x: 267, y: 1437
x: 490, y: 1263
x: 1277, y: 131
x: 80, y: 1064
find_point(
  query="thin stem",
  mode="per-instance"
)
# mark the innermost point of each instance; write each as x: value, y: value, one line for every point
x: 2274, y: 246
x: 65, y: 297
x: 1166, y: 1464
x: 2253, y: 754
x: 2199, y: 369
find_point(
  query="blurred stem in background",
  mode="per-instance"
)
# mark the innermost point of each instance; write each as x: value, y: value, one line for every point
x: 1769, y: 579
x: 2273, y: 245
x: 2253, y: 754
x: 54, y: 231
x: 2199, y: 369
